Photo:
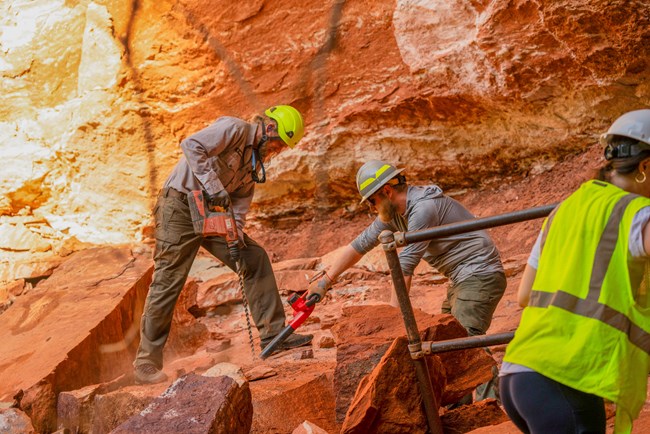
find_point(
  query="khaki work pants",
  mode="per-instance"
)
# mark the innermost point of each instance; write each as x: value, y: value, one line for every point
x: 176, y: 248
x: 473, y: 302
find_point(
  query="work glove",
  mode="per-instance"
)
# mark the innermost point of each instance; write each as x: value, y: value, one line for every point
x: 219, y: 199
x: 319, y: 287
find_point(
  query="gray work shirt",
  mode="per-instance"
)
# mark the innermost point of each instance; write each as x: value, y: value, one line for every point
x: 456, y: 256
x: 219, y: 157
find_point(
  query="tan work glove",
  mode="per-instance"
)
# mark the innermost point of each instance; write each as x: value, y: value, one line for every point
x: 319, y: 287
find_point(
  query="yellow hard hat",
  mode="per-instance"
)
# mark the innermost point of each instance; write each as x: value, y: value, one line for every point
x: 290, y: 124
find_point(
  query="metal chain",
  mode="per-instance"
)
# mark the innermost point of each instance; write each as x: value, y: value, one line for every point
x: 245, y: 302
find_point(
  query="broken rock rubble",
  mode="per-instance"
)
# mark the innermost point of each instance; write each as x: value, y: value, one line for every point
x: 290, y: 390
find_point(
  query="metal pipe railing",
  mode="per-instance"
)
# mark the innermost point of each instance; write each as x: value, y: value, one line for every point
x: 431, y: 347
x: 404, y: 238
x: 429, y: 400
x: 390, y: 241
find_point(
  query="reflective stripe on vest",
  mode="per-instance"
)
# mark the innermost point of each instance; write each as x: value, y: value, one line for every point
x: 590, y: 307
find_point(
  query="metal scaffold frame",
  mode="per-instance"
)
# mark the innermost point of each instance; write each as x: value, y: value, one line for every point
x: 390, y: 242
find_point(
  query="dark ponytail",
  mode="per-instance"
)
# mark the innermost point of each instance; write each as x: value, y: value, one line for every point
x: 605, y: 172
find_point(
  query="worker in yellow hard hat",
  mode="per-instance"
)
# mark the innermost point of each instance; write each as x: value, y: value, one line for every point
x: 225, y: 161
x: 584, y: 334
x: 471, y: 261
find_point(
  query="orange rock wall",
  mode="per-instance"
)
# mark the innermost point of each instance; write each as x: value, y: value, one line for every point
x: 98, y: 94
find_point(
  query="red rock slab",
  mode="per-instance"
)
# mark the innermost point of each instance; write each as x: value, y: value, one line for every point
x: 195, y: 404
x: 290, y: 405
x: 470, y: 417
x: 388, y: 400
x: 111, y: 409
x: 364, y: 333
x: 39, y: 403
x: 79, y: 326
x: 75, y: 408
x: 14, y: 421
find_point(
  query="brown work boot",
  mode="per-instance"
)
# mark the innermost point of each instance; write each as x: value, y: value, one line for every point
x: 148, y: 374
x: 293, y: 341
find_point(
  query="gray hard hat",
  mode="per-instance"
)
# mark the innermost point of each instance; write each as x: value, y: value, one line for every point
x: 634, y: 125
x: 373, y: 175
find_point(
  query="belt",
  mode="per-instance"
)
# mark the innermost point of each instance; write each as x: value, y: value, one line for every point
x: 171, y: 192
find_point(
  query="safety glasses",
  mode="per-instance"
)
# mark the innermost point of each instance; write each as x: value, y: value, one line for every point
x: 374, y: 199
x: 270, y: 130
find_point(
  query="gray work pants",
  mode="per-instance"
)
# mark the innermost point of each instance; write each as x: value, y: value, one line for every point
x: 176, y: 248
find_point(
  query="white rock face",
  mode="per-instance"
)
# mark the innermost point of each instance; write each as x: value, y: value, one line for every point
x: 97, y: 97
x: 427, y: 31
x: 60, y: 71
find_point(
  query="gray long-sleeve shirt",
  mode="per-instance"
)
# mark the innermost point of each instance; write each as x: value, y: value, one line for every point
x: 456, y: 256
x: 219, y: 157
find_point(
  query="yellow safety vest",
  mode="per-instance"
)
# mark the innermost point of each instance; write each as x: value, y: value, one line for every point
x: 587, y: 324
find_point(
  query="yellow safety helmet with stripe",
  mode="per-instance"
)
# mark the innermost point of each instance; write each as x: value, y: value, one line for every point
x: 291, y: 127
x: 373, y: 175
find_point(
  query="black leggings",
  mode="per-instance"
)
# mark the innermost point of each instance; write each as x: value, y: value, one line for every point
x: 539, y: 405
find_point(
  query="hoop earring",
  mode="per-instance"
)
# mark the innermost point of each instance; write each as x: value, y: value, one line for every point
x: 640, y: 181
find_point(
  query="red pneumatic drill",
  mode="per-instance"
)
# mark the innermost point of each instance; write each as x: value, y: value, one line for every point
x: 302, y: 308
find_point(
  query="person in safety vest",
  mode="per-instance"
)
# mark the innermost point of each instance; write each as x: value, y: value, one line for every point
x: 225, y: 160
x: 470, y: 260
x: 584, y: 334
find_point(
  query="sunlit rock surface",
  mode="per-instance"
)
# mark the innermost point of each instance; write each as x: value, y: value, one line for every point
x: 97, y: 96
x: 79, y: 327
